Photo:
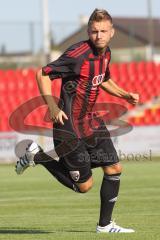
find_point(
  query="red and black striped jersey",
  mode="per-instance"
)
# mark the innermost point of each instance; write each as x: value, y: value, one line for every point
x: 82, y: 71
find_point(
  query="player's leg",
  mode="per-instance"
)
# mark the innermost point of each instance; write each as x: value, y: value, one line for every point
x: 104, y: 155
x: 57, y: 169
x: 78, y: 166
x: 69, y: 176
x: 109, y: 192
x: 62, y: 174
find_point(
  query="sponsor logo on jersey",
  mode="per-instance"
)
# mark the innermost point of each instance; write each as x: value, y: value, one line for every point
x: 97, y: 80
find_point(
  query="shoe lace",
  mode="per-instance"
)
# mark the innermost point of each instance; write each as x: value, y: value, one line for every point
x: 114, y: 225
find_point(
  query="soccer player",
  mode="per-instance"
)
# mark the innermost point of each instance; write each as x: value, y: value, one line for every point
x: 81, y: 140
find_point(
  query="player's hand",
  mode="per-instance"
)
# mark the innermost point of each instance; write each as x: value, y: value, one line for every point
x: 57, y: 115
x: 133, y: 98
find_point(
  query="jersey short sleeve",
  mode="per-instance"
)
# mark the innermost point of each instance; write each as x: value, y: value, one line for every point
x: 63, y: 67
x: 107, y: 73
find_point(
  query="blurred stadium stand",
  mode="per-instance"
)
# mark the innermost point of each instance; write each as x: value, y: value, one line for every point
x: 18, y: 86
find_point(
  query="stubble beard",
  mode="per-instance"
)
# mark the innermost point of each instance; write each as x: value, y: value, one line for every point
x: 101, y: 50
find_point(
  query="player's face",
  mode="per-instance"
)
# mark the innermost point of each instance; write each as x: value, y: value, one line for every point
x: 100, y: 33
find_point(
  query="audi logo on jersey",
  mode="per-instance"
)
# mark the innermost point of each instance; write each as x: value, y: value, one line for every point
x: 97, y: 80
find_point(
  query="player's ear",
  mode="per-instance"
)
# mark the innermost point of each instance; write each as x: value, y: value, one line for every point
x: 112, y: 32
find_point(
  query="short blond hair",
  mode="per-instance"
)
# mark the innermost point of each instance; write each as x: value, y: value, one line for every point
x: 99, y: 15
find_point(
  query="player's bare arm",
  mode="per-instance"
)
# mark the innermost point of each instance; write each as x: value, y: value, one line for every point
x: 44, y: 84
x: 112, y: 88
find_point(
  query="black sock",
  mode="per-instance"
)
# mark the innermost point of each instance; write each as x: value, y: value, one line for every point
x: 108, y: 193
x: 57, y: 169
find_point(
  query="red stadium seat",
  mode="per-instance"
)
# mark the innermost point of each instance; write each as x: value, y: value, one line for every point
x: 132, y: 68
x: 114, y: 70
x: 141, y: 67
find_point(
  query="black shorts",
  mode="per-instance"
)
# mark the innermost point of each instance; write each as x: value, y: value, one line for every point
x: 79, y: 156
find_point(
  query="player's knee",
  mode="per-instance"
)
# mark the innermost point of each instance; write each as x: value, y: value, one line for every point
x: 86, y: 186
x: 118, y: 168
x: 114, y: 169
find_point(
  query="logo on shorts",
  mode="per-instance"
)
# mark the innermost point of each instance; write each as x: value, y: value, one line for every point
x: 113, y: 199
x: 75, y: 175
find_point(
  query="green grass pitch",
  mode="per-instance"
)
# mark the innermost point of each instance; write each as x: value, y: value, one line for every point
x: 35, y: 206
